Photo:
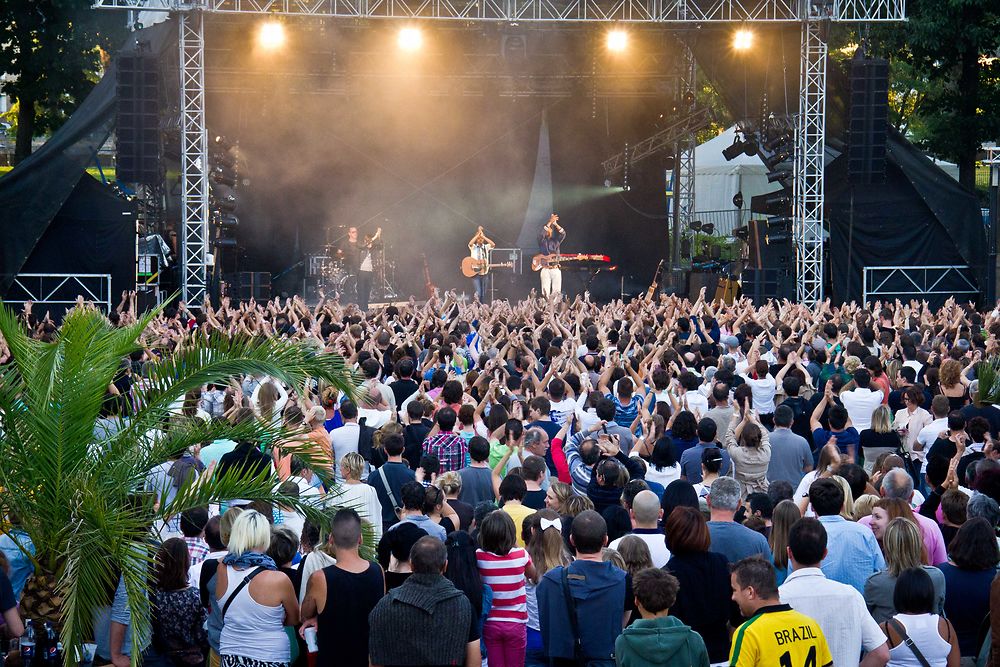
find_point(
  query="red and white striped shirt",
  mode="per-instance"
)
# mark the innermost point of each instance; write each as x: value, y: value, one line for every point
x: 505, y: 575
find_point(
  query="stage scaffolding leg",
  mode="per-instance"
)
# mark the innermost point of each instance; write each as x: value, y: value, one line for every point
x: 684, y: 150
x: 194, y: 161
x: 810, y: 133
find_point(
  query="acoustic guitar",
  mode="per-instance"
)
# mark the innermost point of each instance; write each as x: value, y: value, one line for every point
x: 472, y: 267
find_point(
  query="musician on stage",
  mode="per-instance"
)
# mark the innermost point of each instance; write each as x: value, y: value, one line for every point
x: 359, y: 262
x: 548, y: 243
x: 480, y: 247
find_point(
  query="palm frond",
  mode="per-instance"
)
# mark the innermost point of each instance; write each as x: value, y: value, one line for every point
x: 988, y: 374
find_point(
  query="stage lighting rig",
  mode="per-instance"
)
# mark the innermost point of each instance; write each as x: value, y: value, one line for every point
x: 223, y: 176
x: 410, y: 39
x: 617, y: 40
x: 743, y: 39
x: 782, y: 175
x: 271, y: 35
x: 744, y: 143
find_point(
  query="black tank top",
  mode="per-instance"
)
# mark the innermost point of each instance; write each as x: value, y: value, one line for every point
x: 342, y: 634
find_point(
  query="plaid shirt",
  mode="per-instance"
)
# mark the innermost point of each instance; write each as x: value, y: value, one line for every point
x: 197, y: 549
x: 450, y: 449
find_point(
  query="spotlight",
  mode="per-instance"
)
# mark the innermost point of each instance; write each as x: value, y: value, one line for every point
x: 773, y: 161
x: 226, y: 204
x: 695, y: 225
x: 708, y: 228
x: 410, y: 39
x: 224, y: 243
x: 742, y: 39
x: 617, y: 40
x: 750, y: 147
x: 271, y: 35
x: 778, y: 141
x: 223, y: 177
x: 742, y: 233
x: 228, y: 221
x: 607, y: 182
x: 778, y: 175
x: 734, y: 150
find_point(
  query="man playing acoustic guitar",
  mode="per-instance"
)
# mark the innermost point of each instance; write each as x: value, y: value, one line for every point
x: 480, y: 247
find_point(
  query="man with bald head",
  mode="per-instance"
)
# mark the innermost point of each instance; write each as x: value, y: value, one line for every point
x: 646, y: 513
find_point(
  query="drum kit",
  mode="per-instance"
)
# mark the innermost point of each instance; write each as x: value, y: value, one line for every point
x: 329, y: 271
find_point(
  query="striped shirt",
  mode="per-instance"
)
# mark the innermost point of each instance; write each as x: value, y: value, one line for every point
x: 505, y: 575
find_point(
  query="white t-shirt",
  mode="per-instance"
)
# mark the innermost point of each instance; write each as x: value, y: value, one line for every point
x: 763, y: 391
x: 860, y: 403
x: 562, y: 410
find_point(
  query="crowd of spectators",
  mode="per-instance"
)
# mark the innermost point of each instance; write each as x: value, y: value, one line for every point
x: 564, y: 483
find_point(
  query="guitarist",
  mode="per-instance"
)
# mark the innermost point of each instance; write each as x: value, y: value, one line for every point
x: 548, y: 243
x: 480, y: 247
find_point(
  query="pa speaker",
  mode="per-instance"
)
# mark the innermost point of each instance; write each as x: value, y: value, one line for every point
x: 138, y: 120
x: 868, y: 120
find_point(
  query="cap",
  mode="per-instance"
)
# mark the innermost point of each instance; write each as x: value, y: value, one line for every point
x: 730, y: 341
x: 962, y: 344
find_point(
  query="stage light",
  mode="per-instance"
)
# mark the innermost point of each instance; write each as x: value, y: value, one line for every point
x: 617, y: 40
x: 733, y: 151
x: 410, y: 39
x: 742, y: 233
x: 778, y: 175
x: 695, y: 225
x: 742, y: 39
x: 708, y: 228
x: 271, y: 35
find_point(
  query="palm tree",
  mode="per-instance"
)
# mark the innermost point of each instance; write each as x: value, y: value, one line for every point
x: 988, y: 374
x: 80, y: 501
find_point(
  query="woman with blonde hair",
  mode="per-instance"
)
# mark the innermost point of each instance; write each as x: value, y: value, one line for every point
x: 357, y: 495
x: 863, y: 506
x: 904, y: 549
x: 954, y: 385
x: 847, y: 511
x: 880, y: 438
x: 257, y: 600
x: 576, y: 504
x: 784, y: 515
x: 557, y: 495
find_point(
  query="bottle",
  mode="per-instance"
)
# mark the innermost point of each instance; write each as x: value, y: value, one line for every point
x: 50, y: 656
x: 28, y: 644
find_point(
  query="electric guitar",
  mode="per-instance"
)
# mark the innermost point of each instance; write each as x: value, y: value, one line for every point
x: 656, y: 281
x: 472, y: 267
x: 428, y: 285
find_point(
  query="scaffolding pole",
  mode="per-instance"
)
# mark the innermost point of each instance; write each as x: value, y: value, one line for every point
x: 810, y: 133
x: 194, y: 160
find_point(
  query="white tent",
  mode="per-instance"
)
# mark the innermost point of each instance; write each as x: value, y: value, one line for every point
x: 716, y: 180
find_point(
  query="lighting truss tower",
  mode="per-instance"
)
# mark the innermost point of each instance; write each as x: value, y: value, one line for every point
x: 687, y: 143
x: 194, y: 159
x: 810, y: 135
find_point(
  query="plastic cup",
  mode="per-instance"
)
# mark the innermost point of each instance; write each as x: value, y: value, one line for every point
x: 309, y: 634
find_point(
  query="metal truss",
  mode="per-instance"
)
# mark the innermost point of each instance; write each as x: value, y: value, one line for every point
x: 807, y: 188
x: 636, y: 11
x: 665, y: 139
x: 916, y: 282
x: 688, y: 141
x: 62, y: 289
x: 194, y: 160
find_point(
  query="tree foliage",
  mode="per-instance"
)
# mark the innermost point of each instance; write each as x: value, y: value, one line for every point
x: 52, y: 51
x: 945, y: 87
